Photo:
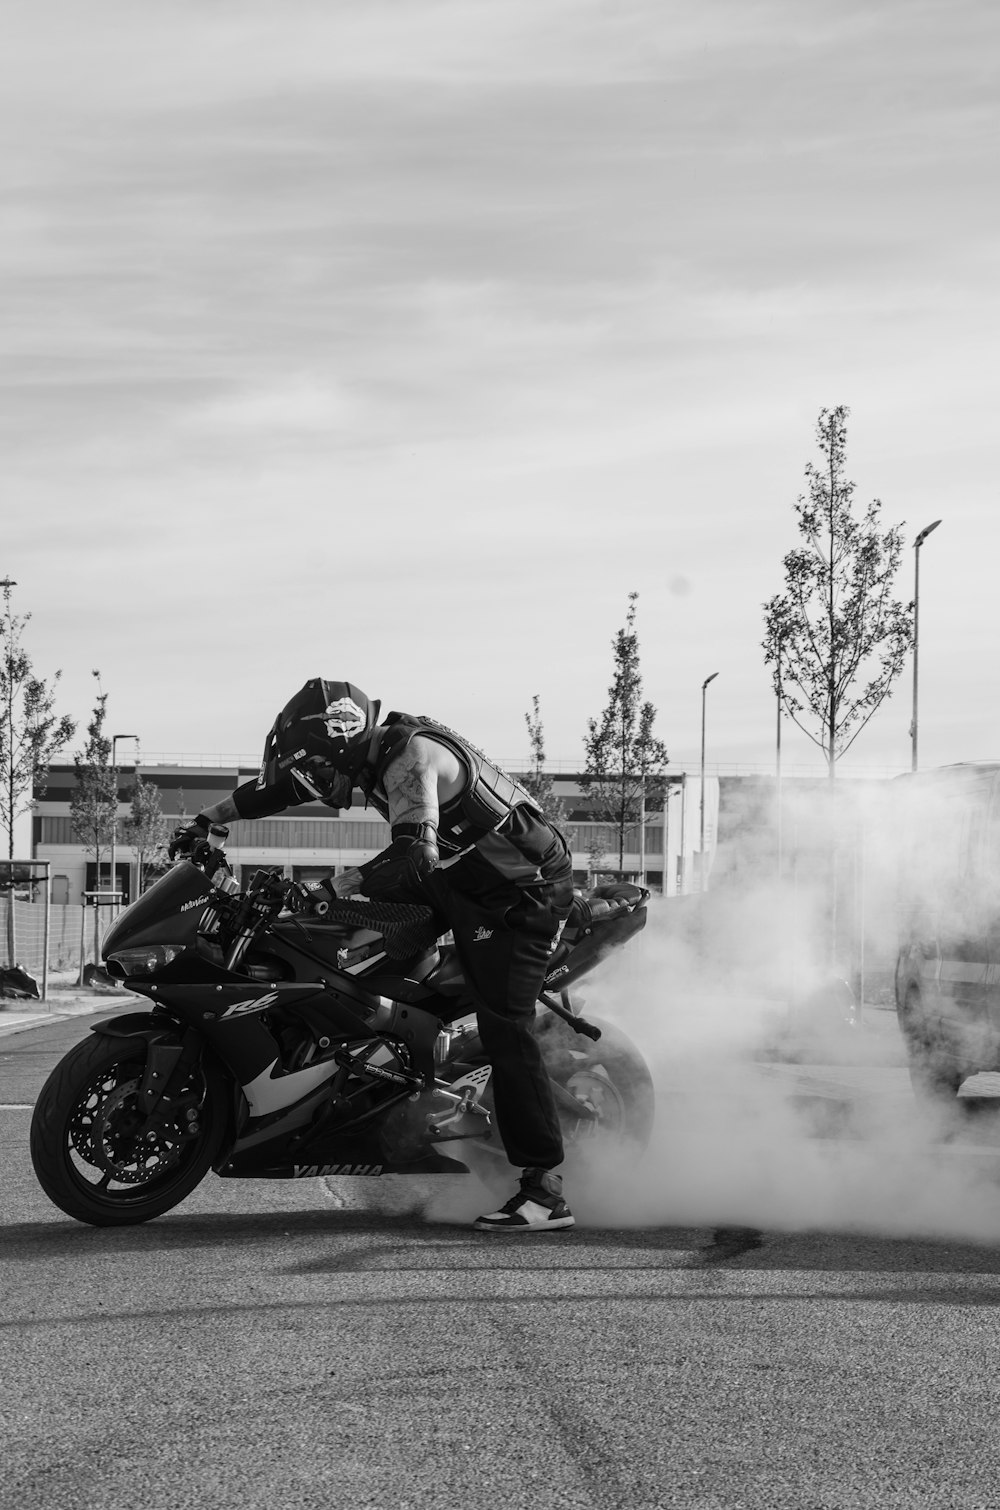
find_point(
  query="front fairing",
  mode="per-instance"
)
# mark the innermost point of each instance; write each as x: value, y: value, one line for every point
x: 169, y: 912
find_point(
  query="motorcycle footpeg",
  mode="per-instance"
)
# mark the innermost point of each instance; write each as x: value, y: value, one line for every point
x: 578, y: 1024
x: 437, y: 1126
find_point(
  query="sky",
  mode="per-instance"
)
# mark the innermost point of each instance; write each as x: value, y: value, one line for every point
x: 399, y: 343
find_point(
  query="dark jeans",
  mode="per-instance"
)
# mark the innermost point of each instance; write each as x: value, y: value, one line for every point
x: 504, y: 937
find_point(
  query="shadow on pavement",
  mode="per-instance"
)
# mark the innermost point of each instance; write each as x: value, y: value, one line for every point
x: 704, y: 1247
x: 59, y: 1237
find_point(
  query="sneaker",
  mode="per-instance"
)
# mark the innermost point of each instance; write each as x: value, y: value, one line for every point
x: 538, y: 1206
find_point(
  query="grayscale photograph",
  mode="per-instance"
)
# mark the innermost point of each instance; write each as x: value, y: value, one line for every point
x: 499, y: 774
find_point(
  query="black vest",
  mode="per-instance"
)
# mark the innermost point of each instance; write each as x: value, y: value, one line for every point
x: 487, y: 798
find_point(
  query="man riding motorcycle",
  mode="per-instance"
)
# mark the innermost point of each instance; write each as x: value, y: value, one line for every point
x: 471, y: 843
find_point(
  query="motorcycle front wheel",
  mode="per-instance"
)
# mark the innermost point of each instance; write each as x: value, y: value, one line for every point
x: 88, y: 1150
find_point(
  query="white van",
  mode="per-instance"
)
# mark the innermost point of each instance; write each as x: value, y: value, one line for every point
x: 948, y: 965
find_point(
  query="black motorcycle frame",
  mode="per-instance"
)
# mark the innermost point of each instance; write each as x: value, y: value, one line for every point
x: 343, y: 1040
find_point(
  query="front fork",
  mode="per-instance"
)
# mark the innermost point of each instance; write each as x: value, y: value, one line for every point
x: 159, y: 1098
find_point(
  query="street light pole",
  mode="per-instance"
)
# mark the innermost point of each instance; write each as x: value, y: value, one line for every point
x: 114, y: 819
x: 916, y: 632
x: 701, y: 840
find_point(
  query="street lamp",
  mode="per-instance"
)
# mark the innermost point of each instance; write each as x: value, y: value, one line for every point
x: 701, y: 840
x: 916, y: 631
x: 114, y: 821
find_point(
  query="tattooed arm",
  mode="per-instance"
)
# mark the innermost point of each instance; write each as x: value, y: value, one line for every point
x: 225, y: 811
x: 412, y: 783
x: 423, y: 775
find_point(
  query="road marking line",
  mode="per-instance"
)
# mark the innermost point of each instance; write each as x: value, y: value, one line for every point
x: 17, y: 1106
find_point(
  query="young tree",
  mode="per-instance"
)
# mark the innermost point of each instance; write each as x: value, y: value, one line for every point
x: 93, y: 805
x: 624, y: 764
x: 597, y: 857
x: 836, y: 638
x: 146, y: 829
x: 537, y: 780
x: 31, y: 733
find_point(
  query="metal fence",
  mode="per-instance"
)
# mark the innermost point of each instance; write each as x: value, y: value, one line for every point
x: 71, y: 936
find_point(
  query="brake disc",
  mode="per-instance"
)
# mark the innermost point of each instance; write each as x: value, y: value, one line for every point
x: 87, y: 1114
x: 115, y: 1142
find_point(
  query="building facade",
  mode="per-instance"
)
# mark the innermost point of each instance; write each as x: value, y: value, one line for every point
x: 313, y: 841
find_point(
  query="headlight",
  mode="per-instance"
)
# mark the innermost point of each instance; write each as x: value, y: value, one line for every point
x: 143, y: 961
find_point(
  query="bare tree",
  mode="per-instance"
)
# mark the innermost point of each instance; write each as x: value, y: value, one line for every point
x: 146, y: 829
x: 537, y: 780
x: 624, y: 759
x: 31, y: 733
x: 94, y: 803
x: 836, y: 638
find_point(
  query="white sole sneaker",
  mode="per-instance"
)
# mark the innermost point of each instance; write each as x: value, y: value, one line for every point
x: 522, y: 1214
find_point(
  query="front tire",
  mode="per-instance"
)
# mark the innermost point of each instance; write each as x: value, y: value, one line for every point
x: 84, y: 1145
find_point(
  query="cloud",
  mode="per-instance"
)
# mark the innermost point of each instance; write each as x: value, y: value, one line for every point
x: 296, y: 406
x: 114, y: 56
x: 587, y: 270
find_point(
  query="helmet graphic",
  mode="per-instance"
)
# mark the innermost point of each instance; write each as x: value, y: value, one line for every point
x: 320, y: 738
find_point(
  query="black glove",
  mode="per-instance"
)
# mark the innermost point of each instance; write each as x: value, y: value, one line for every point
x: 315, y: 900
x: 319, y: 897
x: 184, y: 840
x: 396, y: 874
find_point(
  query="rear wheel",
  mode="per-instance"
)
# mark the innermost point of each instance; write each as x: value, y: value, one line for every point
x: 609, y: 1079
x: 88, y: 1149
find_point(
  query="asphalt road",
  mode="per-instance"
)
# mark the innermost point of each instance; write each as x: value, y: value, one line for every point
x: 328, y: 1343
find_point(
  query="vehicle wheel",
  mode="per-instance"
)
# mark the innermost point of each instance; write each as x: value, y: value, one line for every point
x: 610, y: 1077
x: 84, y: 1147
x: 934, y: 1076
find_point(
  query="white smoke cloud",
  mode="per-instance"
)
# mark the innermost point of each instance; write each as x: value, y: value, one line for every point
x: 773, y: 1110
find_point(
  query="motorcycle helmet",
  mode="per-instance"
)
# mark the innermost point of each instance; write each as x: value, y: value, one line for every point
x: 319, y: 741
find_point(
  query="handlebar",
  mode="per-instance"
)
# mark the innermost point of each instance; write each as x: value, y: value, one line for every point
x: 407, y: 928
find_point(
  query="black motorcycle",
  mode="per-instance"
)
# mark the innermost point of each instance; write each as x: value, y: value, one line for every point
x: 282, y: 1044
